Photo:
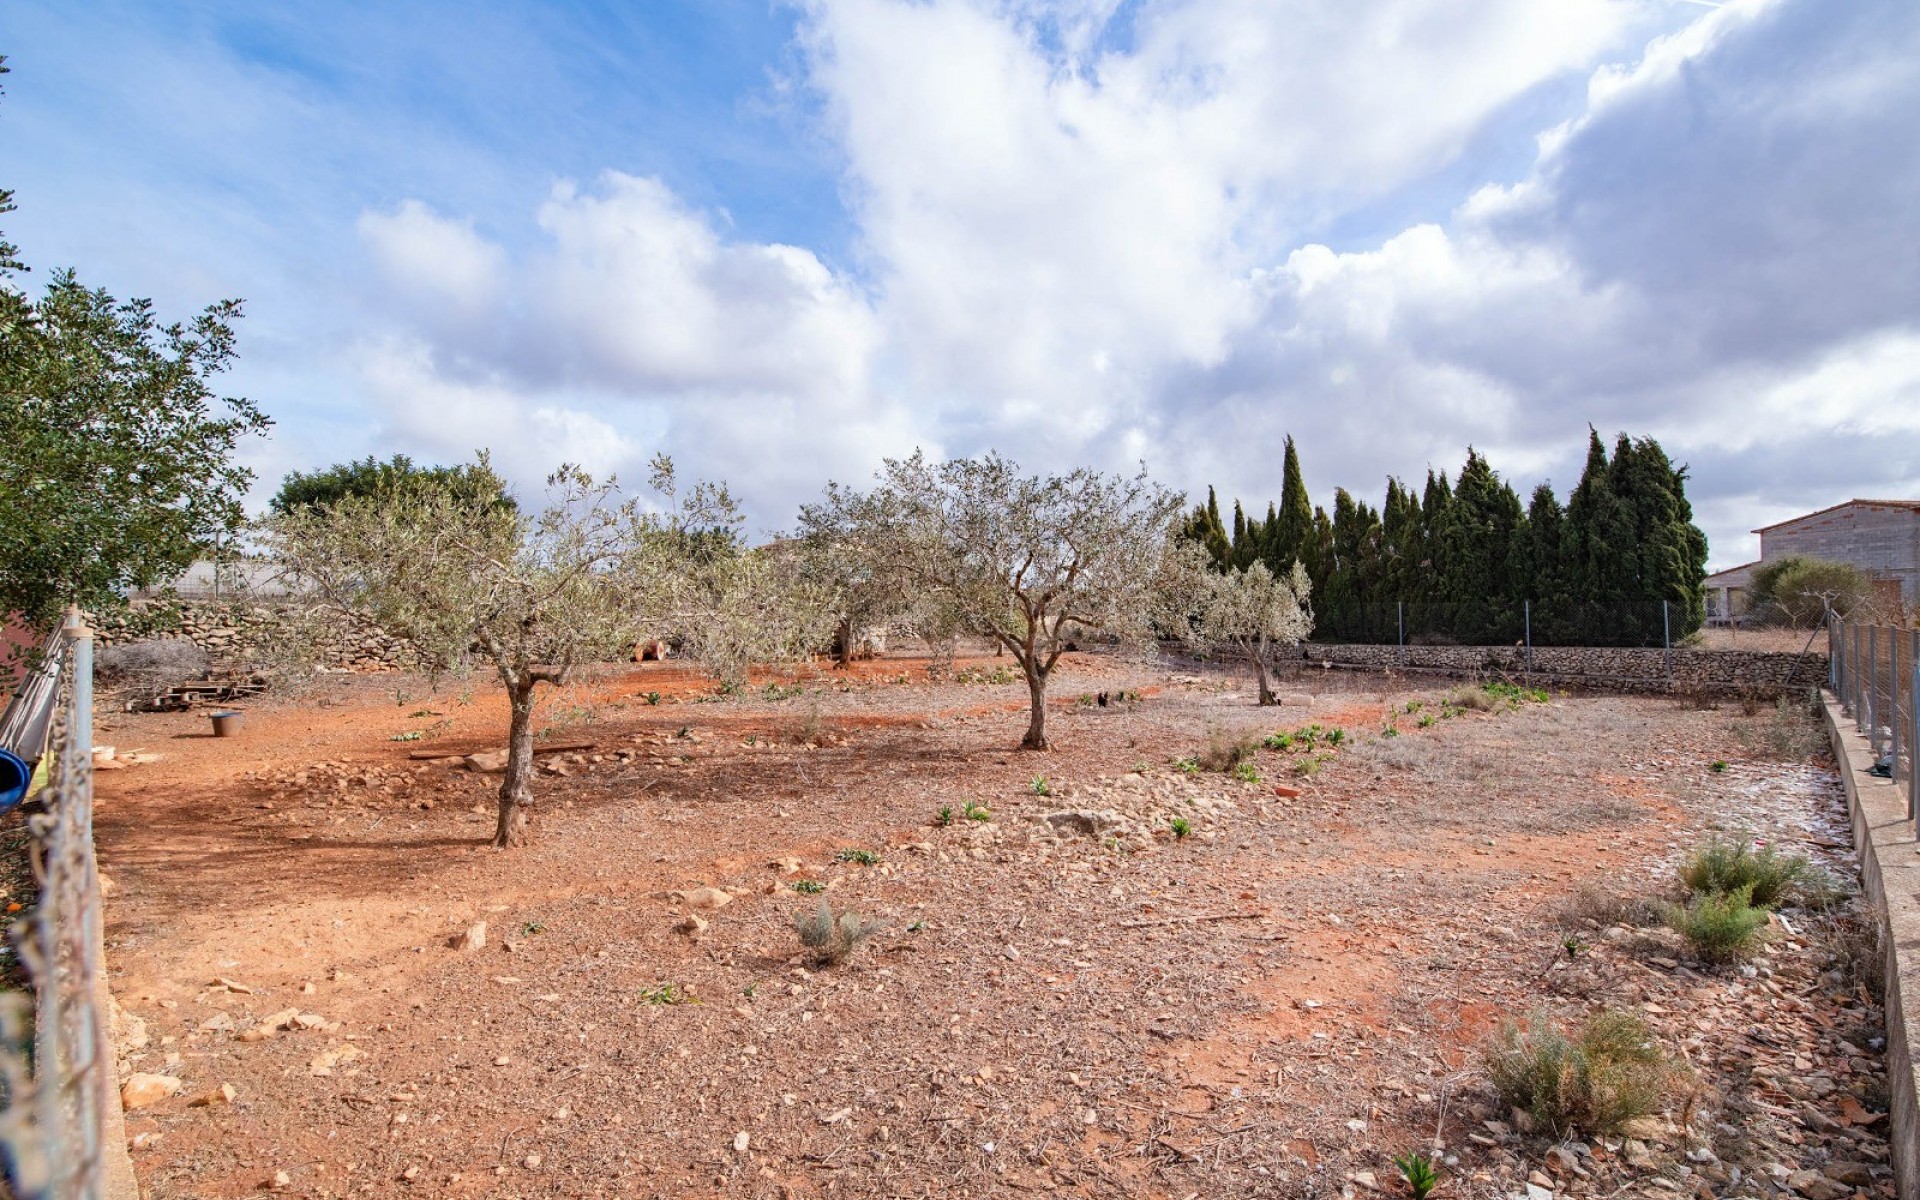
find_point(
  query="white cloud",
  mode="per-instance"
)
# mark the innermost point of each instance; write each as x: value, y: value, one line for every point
x: 1085, y: 233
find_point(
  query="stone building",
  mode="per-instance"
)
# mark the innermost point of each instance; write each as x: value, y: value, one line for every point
x: 1881, y: 537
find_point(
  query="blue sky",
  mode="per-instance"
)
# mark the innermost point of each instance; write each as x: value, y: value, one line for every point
x: 781, y: 240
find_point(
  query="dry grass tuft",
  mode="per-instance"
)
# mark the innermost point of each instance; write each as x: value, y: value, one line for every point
x: 833, y: 939
x: 1606, y: 1074
x: 1225, y: 751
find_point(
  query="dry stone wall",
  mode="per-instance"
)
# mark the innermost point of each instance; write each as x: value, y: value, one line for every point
x: 242, y: 634
x: 1596, y: 666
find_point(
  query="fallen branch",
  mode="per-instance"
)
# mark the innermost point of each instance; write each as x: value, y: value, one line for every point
x: 1194, y: 920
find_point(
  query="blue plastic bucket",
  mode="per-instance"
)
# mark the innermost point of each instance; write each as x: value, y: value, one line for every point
x: 15, y: 775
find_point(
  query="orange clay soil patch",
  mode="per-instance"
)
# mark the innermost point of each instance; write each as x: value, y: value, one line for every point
x: 1092, y: 1006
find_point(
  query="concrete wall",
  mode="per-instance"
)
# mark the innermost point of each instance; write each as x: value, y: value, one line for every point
x: 1881, y: 539
x: 1617, y: 669
x: 1889, y: 853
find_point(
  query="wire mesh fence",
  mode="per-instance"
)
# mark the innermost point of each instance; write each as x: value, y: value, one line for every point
x: 1628, y: 623
x: 1874, y: 670
x: 56, y: 1055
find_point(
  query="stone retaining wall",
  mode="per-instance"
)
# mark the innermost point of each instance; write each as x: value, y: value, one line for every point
x: 239, y: 634
x: 1599, y: 666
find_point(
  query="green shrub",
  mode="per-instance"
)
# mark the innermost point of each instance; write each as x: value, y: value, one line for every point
x: 1182, y: 828
x: 1768, y: 877
x: 1720, y: 927
x: 1605, y: 1075
x: 865, y: 858
x: 1039, y: 786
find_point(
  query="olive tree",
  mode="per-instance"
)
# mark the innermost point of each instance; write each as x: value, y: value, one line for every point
x: 1252, y: 611
x: 1029, y: 561
x: 535, y: 595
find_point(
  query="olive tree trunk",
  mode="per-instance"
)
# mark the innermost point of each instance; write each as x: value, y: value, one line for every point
x: 1257, y: 658
x: 516, y: 793
x: 1036, y: 738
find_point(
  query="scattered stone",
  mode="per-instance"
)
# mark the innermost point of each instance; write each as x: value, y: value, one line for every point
x: 741, y: 1141
x: 224, y: 1094
x: 693, y: 926
x: 488, y: 762
x: 324, y: 1062
x: 473, y: 938
x: 707, y: 898
x: 142, y: 1090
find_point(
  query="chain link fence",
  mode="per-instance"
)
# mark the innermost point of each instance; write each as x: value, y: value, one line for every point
x: 61, y: 1126
x: 1875, y: 672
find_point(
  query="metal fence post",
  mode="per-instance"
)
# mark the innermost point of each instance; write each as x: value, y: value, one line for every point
x: 1913, y: 748
x: 1833, y: 657
x: 1859, y: 683
x: 1893, y: 702
x: 1872, y: 706
x: 1666, y: 641
x: 1529, y: 619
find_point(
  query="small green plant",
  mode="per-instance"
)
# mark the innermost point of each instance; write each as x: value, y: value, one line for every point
x: 808, y: 887
x: 853, y: 854
x: 833, y: 939
x: 1426, y: 720
x: 1718, y: 766
x: 411, y: 735
x: 944, y: 817
x: 1720, y: 927
x: 752, y: 740
x: 1247, y: 772
x: 651, y: 697
x: 1390, y: 732
x: 1039, y: 786
x: 1336, y: 736
x: 533, y: 927
x: 668, y: 993
x: 916, y: 927
x: 1182, y: 828
x: 980, y: 812
x: 685, y: 731
x: 1606, y: 1074
x: 1419, y: 1172
x: 1769, y: 877
x: 1282, y: 742
x: 750, y: 989
x: 421, y: 712
x: 1187, y: 766
x: 1414, y: 706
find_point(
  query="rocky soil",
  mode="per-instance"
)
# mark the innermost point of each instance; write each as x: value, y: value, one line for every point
x: 1103, y: 972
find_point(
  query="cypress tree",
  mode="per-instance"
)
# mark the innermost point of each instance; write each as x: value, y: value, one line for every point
x: 1203, y: 525
x: 1474, y: 539
x: 1400, y: 550
x: 1542, y: 554
x: 1296, y: 523
x: 1663, y: 554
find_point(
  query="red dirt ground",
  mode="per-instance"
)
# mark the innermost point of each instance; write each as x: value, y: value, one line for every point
x: 1267, y: 1008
